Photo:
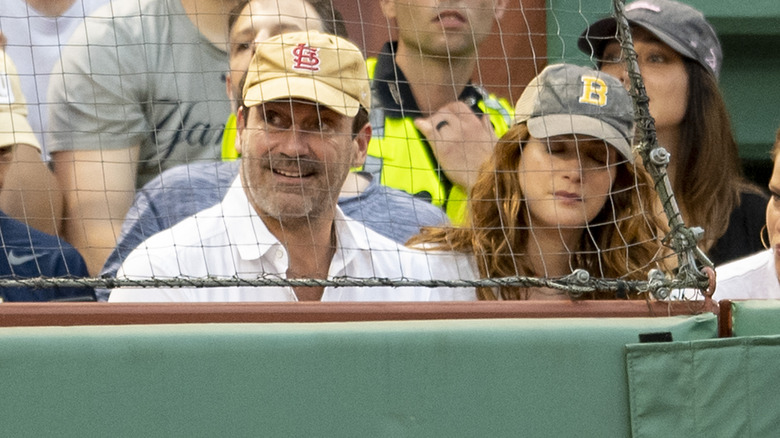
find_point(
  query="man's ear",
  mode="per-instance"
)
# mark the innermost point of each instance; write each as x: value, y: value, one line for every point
x: 361, y: 141
x: 229, y: 90
x: 241, y: 114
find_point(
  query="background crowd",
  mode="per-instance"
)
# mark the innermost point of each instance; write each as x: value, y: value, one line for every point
x: 245, y: 138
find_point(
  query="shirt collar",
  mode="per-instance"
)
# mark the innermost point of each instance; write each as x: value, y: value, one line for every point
x: 248, y: 233
x: 245, y: 230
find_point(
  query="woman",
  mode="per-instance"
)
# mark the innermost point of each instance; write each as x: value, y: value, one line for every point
x: 679, y: 58
x: 757, y: 276
x: 560, y: 191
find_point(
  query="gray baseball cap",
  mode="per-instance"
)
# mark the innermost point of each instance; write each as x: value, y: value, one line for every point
x: 570, y: 99
x: 680, y: 26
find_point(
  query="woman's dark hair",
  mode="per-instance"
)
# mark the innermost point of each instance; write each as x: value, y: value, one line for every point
x: 709, y: 179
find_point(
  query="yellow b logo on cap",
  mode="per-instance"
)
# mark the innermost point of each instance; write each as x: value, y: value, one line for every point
x: 594, y: 91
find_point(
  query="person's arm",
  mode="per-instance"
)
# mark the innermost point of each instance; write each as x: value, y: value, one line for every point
x: 460, y: 140
x: 98, y: 189
x: 30, y: 192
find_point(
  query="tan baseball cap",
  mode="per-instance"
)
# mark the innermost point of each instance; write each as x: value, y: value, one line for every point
x: 14, y: 127
x: 309, y: 65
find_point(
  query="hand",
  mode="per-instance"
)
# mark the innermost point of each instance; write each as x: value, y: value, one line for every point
x: 460, y: 139
x: 711, y: 276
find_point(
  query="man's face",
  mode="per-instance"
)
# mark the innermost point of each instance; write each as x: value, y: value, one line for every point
x: 295, y: 157
x: 443, y: 28
x: 260, y: 20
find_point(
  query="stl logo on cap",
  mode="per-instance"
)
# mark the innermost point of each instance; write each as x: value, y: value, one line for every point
x: 594, y: 91
x: 306, y: 57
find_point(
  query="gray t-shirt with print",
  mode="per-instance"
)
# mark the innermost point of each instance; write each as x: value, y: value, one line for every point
x: 140, y: 72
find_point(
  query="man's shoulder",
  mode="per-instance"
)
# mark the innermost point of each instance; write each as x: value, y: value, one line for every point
x: 166, y: 252
x: 52, y: 256
x: 195, y: 176
x: 198, y: 230
x: 117, y: 15
x: 175, y: 195
x: 392, y: 212
x: 399, y: 201
x: 196, y: 233
x: 117, y: 11
x: 417, y: 262
x: 355, y: 235
x: 122, y: 28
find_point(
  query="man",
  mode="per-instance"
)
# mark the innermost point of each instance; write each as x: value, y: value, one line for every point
x: 392, y: 213
x: 302, y: 125
x: 38, y: 31
x: 30, y: 193
x: 139, y: 89
x: 185, y: 190
x: 26, y: 252
x: 432, y: 127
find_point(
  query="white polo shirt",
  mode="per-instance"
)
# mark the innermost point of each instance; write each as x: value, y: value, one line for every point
x: 230, y: 240
x: 751, y: 277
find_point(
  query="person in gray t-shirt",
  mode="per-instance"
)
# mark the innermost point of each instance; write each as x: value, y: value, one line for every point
x: 139, y: 89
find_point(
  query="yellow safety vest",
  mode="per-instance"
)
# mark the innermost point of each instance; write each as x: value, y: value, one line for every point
x: 229, y: 152
x: 401, y: 156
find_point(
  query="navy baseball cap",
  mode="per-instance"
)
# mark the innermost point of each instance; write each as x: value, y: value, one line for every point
x: 680, y: 26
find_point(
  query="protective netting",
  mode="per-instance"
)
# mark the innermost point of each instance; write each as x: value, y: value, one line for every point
x: 120, y: 107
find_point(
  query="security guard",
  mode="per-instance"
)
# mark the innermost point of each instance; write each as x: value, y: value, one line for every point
x: 399, y: 154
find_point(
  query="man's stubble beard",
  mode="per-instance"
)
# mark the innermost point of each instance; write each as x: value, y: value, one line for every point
x: 298, y: 206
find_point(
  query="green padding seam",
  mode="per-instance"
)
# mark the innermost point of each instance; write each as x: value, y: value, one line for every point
x: 708, y: 388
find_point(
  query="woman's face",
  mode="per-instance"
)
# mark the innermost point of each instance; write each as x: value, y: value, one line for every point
x: 663, y: 73
x: 773, y: 214
x: 566, y: 179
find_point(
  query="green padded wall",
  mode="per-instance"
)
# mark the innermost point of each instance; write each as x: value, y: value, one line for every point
x: 755, y: 317
x: 709, y: 388
x: 529, y: 377
x: 750, y: 34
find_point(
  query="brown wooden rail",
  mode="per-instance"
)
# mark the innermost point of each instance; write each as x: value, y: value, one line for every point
x: 725, y: 323
x: 67, y: 314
